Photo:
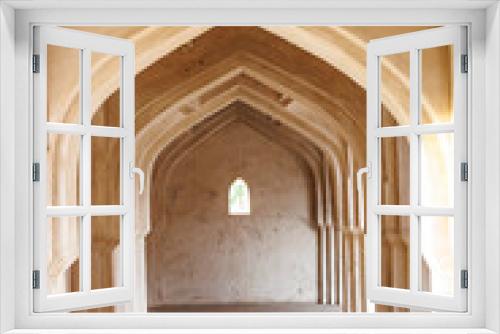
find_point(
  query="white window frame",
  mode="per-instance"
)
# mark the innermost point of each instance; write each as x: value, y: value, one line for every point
x: 412, y: 43
x: 484, y: 102
x: 86, y: 43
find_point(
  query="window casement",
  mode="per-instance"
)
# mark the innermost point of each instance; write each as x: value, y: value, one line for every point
x: 67, y: 214
x: 430, y: 196
x: 239, y: 197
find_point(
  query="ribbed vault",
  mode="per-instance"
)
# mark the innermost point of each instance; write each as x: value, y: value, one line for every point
x: 341, y: 47
x: 199, y: 80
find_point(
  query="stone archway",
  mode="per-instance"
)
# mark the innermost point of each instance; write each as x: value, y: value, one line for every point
x: 212, y: 139
x: 187, y: 77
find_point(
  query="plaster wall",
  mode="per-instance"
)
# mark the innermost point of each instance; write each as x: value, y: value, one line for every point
x: 198, y: 254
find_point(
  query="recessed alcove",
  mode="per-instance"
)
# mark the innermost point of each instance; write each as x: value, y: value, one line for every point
x: 262, y: 106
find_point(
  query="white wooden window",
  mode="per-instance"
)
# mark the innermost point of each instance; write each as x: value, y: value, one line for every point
x: 65, y: 211
x: 429, y: 207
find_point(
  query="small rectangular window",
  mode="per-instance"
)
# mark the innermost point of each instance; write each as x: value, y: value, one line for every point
x: 239, y: 198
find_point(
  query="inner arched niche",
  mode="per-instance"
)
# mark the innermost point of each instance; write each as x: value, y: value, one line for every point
x: 201, y: 258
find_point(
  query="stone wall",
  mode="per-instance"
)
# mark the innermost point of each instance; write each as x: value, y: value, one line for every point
x: 197, y: 253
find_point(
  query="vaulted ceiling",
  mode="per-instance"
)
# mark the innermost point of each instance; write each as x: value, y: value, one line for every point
x: 311, y: 79
x: 314, y: 75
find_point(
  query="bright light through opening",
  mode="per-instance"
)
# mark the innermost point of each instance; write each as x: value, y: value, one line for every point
x: 239, y: 198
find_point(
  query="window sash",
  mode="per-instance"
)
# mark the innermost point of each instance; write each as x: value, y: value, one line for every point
x: 86, y: 43
x: 413, y: 43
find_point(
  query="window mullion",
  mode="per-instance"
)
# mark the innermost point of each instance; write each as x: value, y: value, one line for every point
x: 414, y: 168
x: 85, y: 77
x: 406, y: 130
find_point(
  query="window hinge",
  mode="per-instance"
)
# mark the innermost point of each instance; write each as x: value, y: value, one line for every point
x: 36, y: 279
x: 36, y: 64
x: 464, y: 171
x: 464, y: 279
x: 36, y: 172
x: 465, y: 64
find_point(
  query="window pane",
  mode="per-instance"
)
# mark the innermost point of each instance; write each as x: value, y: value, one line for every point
x: 395, y: 171
x: 436, y: 85
x: 436, y: 163
x: 106, y: 78
x: 63, y: 249
x: 436, y: 246
x: 63, y: 169
x: 105, y: 171
x: 63, y: 84
x: 395, y: 89
x: 395, y: 251
x: 106, y: 268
